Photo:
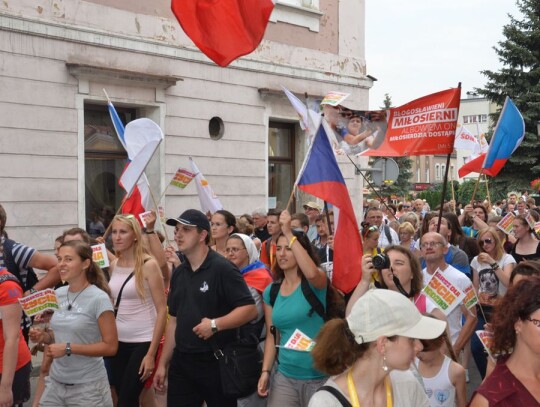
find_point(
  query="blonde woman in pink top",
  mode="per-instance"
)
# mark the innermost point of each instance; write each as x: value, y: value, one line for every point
x: 141, y: 311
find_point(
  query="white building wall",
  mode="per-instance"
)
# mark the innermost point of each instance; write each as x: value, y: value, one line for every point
x: 41, y: 138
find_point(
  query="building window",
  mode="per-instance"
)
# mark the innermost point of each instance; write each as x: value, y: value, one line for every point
x: 443, y: 171
x: 475, y: 118
x: 427, y: 175
x: 437, y: 172
x: 104, y: 161
x: 281, y: 171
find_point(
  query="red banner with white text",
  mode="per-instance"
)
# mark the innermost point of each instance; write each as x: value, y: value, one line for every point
x: 425, y: 126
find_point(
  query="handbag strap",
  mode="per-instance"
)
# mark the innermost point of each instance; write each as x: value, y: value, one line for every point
x: 120, y: 293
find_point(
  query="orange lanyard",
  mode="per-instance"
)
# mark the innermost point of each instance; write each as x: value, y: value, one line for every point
x: 354, y: 394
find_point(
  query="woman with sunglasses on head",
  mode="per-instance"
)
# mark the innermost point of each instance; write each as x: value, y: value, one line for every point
x: 516, y: 344
x: 295, y: 379
x: 527, y: 245
x: 491, y: 271
x: 81, y: 332
x: 139, y: 294
x: 370, y: 239
x: 369, y: 353
x: 222, y: 225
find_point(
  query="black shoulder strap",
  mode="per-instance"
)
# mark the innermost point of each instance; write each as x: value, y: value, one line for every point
x: 120, y: 293
x: 337, y: 394
x: 316, y: 305
x: 388, y: 234
x: 9, y: 262
x: 274, y: 290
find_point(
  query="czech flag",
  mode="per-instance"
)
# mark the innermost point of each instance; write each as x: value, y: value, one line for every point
x: 508, y: 135
x: 320, y: 176
x: 224, y: 29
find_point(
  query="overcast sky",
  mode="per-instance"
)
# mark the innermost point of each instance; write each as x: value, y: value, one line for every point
x: 418, y: 47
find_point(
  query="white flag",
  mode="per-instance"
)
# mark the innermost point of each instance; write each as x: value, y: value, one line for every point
x: 142, y: 138
x: 465, y: 140
x: 209, y: 200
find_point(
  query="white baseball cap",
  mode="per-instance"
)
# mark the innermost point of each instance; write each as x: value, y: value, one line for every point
x: 381, y: 312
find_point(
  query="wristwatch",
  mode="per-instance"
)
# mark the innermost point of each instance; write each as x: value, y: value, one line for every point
x: 213, y: 326
x: 494, y: 266
x: 68, y: 349
x: 148, y: 232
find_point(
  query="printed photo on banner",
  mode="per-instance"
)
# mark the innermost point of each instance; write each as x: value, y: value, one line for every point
x: 352, y: 131
x: 41, y: 301
x: 507, y: 223
x: 443, y: 293
x: 424, y: 126
x: 99, y: 255
x: 299, y: 341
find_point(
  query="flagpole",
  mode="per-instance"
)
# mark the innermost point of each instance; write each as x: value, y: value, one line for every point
x: 476, y: 187
x: 453, y: 193
x: 487, y: 190
x: 445, y: 182
x: 157, y: 213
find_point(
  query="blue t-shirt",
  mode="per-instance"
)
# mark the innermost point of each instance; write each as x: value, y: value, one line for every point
x: 469, y: 231
x: 291, y: 313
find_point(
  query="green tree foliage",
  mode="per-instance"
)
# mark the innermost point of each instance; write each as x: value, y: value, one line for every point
x: 519, y: 78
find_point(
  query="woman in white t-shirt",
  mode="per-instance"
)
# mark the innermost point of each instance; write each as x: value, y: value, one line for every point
x: 491, y: 271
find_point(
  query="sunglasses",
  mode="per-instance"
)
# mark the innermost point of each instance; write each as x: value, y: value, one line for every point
x: 370, y: 229
x: 485, y: 241
x: 406, y: 206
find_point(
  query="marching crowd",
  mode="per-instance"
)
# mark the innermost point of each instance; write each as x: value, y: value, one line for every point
x: 242, y: 312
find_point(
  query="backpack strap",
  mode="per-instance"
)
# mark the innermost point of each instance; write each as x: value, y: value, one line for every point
x: 316, y: 304
x: 274, y: 290
x: 388, y: 234
x: 337, y: 394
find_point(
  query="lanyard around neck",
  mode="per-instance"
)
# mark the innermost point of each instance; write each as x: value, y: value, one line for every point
x: 354, y: 395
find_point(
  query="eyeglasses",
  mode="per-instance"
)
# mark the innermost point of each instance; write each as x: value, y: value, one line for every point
x: 233, y: 250
x: 406, y: 206
x: 425, y: 245
x: 485, y: 241
x: 534, y: 321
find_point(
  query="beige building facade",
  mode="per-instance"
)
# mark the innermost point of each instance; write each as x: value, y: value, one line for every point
x: 60, y: 157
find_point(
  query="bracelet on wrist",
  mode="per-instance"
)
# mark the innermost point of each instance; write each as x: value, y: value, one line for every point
x: 148, y: 231
x: 494, y: 266
x: 265, y: 371
x: 292, y: 241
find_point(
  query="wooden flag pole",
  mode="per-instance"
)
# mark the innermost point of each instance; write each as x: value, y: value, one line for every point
x: 475, y: 188
x: 453, y: 193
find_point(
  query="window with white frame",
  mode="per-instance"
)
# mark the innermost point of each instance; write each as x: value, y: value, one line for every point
x: 437, y: 172
x: 303, y: 13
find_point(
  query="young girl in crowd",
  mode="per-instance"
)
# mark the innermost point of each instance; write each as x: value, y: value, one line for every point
x: 139, y: 294
x: 295, y: 379
x: 81, y: 332
x: 443, y: 377
x: 223, y: 224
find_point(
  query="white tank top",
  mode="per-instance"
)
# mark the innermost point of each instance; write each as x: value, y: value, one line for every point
x: 439, y: 389
x: 136, y: 319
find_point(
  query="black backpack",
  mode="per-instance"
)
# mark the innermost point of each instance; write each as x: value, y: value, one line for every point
x: 27, y: 278
x: 335, y: 304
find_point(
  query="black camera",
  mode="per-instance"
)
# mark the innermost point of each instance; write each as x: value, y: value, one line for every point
x: 381, y: 261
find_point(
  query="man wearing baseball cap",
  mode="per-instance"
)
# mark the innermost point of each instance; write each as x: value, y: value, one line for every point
x: 208, y: 298
x: 312, y: 210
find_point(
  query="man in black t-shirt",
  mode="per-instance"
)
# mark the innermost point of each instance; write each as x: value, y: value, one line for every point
x: 208, y: 297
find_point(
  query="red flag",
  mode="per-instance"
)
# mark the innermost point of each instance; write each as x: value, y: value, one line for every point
x: 475, y: 165
x: 224, y: 29
x: 424, y: 126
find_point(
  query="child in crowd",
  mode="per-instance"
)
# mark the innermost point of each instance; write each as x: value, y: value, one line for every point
x: 443, y: 377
